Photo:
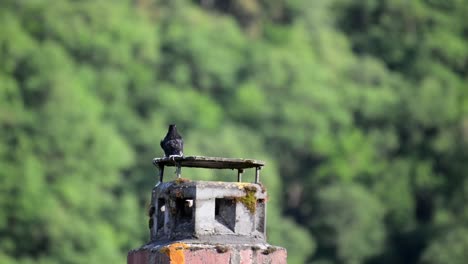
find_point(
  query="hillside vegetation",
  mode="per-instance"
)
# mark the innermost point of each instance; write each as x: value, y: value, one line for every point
x: 359, y: 108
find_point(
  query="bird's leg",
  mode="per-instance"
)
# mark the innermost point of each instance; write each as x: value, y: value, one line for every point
x: 172, y: 157
x: 239, y: 174
x: 257, y: 174
x: 177, y: 164
x: 178, y: 171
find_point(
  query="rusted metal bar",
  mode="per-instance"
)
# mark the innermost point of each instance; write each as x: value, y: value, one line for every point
x: 257, y: 174
x: 239, y: 175
x: 161, y: 172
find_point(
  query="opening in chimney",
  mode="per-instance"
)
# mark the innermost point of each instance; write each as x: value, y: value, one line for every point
x: 225, y: 212
x: 184, y: 210
x: 260, y: 216
x: 161, y: 210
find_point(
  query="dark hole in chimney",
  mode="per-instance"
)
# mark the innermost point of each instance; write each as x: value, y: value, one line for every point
x: 225, y: 212
x: 260, y: 216
x: 161, y: 210
x: 184, y: 208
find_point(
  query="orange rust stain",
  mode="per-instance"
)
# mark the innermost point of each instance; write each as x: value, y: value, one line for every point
x: 176, y: 253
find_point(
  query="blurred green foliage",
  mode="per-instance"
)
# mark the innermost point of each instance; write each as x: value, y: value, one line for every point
x: 360, y: 109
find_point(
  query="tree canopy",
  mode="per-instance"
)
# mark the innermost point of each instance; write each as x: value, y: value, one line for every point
x: 359, y: 108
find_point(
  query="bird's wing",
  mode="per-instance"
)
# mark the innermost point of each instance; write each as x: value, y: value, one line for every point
x: 177, y: 144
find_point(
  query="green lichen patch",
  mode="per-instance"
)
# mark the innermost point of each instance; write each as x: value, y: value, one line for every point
x: 249, y: 200
x: 250, y: 188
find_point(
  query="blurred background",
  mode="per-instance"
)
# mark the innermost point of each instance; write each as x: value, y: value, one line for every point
x: 359, y: 108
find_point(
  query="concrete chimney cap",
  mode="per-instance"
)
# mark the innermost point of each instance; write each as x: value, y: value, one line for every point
x: 208, y: 162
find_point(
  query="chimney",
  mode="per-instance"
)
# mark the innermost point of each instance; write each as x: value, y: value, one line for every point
x: 207, y: 222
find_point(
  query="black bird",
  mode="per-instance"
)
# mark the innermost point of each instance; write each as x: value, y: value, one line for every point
x: 173, y: 144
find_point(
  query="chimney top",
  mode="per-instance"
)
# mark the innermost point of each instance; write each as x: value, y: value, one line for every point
x: 208, y: 221
x: 208, y: 212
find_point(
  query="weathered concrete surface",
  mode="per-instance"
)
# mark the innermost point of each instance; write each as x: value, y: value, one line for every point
x: 207, y: 222
x: 207, y: 211
x: 195, y: 253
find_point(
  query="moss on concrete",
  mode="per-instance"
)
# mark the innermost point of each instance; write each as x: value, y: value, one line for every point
x: 249, y: 200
